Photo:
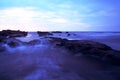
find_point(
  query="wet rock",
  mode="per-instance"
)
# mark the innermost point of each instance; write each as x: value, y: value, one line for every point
x: 56, y: 32
x: 89, y: 48
x: 44, y: 33
x: 12, y: 33
x: 34, y: 42
x: 113, y: 56
x: 12, y: 42
x: 68, y: 34
x: 85, y: 46
x: 57, y: 41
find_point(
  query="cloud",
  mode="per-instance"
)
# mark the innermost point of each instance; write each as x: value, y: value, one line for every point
x: 59, y: 20
x: 33, y: 19
x: 17, y: 18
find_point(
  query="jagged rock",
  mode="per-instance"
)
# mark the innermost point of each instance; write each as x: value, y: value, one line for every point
x: 44, y: 33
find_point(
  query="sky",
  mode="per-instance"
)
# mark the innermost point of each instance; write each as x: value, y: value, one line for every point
x: 60, y: 15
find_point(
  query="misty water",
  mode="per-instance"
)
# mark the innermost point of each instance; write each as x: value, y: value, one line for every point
x: 46, y: 62
x: 111, y: 39
x: 30, y: 36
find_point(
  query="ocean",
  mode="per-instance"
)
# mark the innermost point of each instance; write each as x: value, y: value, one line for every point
x: 111, y: 39
x: 44, y: 61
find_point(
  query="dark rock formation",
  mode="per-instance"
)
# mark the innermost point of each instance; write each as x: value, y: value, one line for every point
x: 44, y: 33
x: 12, y: 33
x: 68, y: 34
x: 57, y: 41
x: 34, y: 42
x: 90, y: 48
x: 12, y: 42
x: 56, y: 32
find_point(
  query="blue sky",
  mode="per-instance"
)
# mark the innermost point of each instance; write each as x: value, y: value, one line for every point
x: 60, y: 15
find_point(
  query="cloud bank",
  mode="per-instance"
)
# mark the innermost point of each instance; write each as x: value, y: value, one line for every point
x: 59, y: 15
x: 32, y: 19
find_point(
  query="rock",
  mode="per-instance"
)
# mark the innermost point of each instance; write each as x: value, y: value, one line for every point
x: 44, y: 33
x: 34, y: 42
x: 57, y: 41
x: 68, y: 34
x: 56, y: 32
x: 85, y: 46
x: 13, y: 42
x: 12, y: 33
x: 113, y: 56
x: 89, y: 48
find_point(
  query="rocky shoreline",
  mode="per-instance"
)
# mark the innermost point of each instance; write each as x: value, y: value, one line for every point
x: 75, y: 48
x: 84, y: 47
x: 12, y: 33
